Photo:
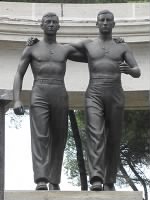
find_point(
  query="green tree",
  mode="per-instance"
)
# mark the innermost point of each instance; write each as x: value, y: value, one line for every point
x: 135, y: 150
x: 135, y: 146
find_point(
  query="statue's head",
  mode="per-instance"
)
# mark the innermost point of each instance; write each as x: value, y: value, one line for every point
x: 105, y: 21
x: 102, y: 12
x: 50, y: 23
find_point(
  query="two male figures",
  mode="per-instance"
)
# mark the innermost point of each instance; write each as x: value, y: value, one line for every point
x: 104, y: 101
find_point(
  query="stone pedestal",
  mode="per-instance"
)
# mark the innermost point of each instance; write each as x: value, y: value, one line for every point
x: 68, y: 195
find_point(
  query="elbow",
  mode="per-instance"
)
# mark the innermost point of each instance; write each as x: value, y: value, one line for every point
x: 136, y: 73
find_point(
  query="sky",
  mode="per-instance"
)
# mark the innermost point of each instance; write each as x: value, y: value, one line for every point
x: 18, y: 163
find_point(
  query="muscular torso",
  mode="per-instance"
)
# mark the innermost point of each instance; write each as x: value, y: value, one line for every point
x: 104, y: 59
x: 48, y: 61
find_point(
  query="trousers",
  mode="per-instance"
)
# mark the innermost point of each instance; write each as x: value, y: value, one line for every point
x: 104, y: 107
x: 49, y: 126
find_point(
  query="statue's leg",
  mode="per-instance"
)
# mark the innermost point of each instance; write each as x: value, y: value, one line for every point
x: 39, y: 120
x: 114, y: 118
x: 95, y: 127
x: 58, y: 132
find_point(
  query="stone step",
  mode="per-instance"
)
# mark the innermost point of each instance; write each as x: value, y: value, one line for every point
x: 71, y: 195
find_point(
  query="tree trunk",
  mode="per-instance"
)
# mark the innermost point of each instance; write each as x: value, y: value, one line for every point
x: 80, y: 159
x: 140, y: 179
x: 128, y: 179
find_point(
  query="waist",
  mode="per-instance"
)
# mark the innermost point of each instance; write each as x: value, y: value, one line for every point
x: 105, y: 80
x: 57, y: 81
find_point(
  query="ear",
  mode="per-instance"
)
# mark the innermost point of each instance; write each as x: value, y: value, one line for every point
x: 58, y: 27
x: 41, y: 26
x: 97, y: 24
x: 113, y: 24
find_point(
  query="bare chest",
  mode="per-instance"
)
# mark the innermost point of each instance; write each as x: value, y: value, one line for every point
x: 49, y: 54
x: 111, y: 51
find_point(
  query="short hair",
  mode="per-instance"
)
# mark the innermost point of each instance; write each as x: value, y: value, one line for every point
x: 105, y: 12
x: 49, y: 14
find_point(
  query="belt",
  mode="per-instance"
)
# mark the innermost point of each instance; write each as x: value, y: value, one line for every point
x: 49, y: 81
x: 104, y: 80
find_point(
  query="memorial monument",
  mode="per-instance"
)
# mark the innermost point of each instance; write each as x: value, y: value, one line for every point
x: 104, y: 100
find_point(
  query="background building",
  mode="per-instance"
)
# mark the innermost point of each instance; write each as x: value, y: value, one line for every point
x: 19, y: 21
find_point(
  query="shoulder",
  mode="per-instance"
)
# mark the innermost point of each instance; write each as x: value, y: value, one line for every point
x: 118, y: 40
x: 87, y: 41
x: 67, y: 48
x: 28, y: 50
x: 125, y: 46
x: 63, y: 47
x: 84, y: 43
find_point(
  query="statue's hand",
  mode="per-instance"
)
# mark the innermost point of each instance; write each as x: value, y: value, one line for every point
x: 18, y: 108
x: 31, y: 41
x: 118, y: 40
x: 124, y: 68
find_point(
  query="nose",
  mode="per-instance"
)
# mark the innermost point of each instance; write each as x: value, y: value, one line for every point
x: 105, y: 21
x: 51, y: 23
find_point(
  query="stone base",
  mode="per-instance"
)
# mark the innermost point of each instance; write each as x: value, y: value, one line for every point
x: 74, y: 195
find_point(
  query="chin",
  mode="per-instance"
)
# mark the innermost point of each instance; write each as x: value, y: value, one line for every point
x: 105, y: 31
x: 51, y: 32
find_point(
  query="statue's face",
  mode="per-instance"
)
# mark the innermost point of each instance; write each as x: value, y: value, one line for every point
x: 105, y: 23
x: 50, y: 24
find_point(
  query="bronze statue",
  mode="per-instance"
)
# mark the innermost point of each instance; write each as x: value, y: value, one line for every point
x: 104, y: 99
x: 49, y: 102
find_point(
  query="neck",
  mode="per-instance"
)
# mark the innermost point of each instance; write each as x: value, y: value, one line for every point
x: 105, y: 37
x: 50, y: 38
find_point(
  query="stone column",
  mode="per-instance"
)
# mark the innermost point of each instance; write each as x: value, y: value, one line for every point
x: 5, y: 98
x: 2, y: 147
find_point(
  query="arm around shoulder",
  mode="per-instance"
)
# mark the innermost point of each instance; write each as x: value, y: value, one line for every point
x: 80, y: 46
x: 79, y: 51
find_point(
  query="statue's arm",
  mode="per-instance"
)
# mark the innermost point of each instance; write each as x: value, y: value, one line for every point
x: 76, y: 51
x: 132, y: 67
x: 17, y: 86
x: 76, y: 55
x: 79, y: 51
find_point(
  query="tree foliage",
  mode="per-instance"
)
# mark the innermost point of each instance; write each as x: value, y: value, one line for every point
x: 136, y: 136
x: 15, y: 121
x: 135, y: 150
